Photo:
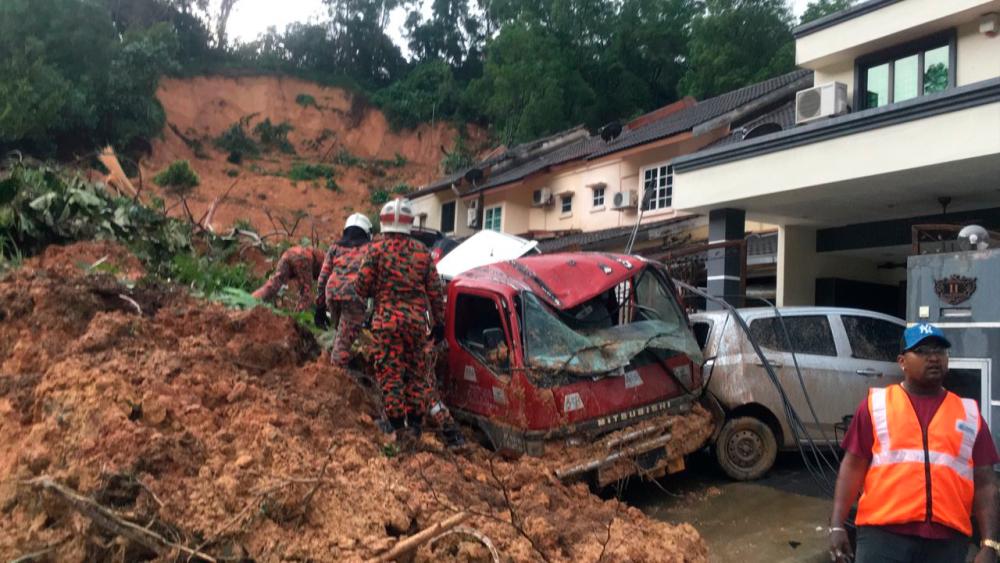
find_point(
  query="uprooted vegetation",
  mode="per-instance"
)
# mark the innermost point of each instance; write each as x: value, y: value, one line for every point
x: 142, y: 422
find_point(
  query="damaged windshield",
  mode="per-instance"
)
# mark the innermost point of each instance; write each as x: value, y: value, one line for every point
x: 607, y: 332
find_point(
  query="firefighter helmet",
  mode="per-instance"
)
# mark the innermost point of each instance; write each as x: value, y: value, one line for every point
x: 359, y: 220
x: 397, y: 217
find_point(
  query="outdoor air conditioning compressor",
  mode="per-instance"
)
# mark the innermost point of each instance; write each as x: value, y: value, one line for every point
x: 624, y: 200
x: 826, y: 100
x: 541, y: 197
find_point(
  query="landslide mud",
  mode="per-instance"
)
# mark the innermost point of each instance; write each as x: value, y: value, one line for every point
x: 213, y: 427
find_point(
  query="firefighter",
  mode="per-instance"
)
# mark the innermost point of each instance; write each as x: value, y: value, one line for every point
x: 299, y: 265
x: 398, y: 274
x: 335, y: 292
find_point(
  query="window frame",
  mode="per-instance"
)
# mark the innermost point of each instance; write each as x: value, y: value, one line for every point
x: 565, y: 199
x: 889, y: 56
x: 498, y: 303
x: 454, y: 216
x: 668, y: 187
x: 593, y: 201
x: 486, y: 211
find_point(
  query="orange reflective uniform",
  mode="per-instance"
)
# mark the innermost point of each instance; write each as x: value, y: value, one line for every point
x: 915, y: 477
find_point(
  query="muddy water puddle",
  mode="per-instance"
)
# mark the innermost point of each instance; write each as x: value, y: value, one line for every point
x: 781, y: 518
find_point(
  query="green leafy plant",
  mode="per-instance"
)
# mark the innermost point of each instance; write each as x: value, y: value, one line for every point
x: 304, y: 172
x: 232, y: 172
x: 379, y: 197
x: 179, y: 177
x: 305, y: 100
x: 346, y: 159
x: 331, y: 185
x: 236, y: 141
x: 402, y: 189
x: 274, y: 136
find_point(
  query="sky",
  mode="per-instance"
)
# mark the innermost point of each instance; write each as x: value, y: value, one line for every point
x: 250, y: 18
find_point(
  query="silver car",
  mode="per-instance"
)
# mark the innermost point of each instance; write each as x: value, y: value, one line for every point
x: 840, y: 354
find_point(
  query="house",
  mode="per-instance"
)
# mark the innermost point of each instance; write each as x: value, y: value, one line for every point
x: 900, y: 139
x: 577, y: 191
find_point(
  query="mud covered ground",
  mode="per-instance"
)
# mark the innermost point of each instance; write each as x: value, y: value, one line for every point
x: 228, y: 432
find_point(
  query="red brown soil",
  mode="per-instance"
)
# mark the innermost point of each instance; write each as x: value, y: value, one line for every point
x: 202, y: 108
x: 227, y: 418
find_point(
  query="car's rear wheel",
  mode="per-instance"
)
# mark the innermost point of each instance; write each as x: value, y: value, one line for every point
x: 746, y: 448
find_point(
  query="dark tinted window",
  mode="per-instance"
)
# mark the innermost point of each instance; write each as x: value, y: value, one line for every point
x: 873, y: 339
x: 701, y: 331
x: 806, y: 334
x: 448, y: 217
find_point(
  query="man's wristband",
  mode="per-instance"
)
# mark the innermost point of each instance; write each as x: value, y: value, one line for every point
x: 992, y: 544
x: 838, y: 529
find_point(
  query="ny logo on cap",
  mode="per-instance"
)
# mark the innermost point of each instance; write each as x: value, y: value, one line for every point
x: 926, y: 329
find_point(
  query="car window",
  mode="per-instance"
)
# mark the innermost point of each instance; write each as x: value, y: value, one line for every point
x: 873, y: 339
x: 701, y: 330
x: 479, y: 329
x: 807, y: 334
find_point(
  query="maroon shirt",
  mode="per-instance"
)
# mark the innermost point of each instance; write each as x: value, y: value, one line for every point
x: 860, y: 439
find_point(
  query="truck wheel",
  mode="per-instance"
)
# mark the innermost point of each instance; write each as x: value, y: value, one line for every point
x: 746, y: 448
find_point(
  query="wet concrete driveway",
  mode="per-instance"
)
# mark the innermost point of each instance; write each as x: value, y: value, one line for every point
x: 780, y: 518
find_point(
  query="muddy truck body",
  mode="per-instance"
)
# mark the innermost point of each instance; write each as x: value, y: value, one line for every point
x: 586, y: 358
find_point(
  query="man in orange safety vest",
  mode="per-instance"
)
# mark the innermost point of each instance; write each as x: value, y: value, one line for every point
x: 924, y: 458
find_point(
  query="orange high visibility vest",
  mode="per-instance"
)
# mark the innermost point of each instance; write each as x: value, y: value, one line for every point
x: 917, y: 478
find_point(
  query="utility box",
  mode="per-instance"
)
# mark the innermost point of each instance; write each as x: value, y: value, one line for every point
x: 960, y: 293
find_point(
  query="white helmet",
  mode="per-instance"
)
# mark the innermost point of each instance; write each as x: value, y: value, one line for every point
x: 359, y: 220
x: 397, y: 217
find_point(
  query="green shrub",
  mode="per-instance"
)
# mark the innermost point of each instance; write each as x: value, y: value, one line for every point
x: 305, y: 100
x: 379, y: 197
x: 402, y: 189
x: 332, y: 185
x: 237, y: 143
x: 400, y: 161
x: 274, y: 136
x: 209, y: 275
x: 178, y: 177
x: 232, y: 172
x: 304, y: 172
x: 345, y: 158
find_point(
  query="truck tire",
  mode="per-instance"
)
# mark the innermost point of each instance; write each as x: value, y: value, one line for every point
x: 746, y: 448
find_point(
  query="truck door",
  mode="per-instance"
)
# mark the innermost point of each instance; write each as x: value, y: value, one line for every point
x: 482, y: 357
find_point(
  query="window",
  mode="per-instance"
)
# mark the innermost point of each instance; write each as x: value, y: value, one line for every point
x: 448, y: 217
x: 566, y: 204
x: 873, y: 339
x: 701, y: 331
x: 599, y: 197
x: 492, y: 218
x: 906, y: 72
x: 479, y: 329
x: 809, y: 334
x: 659, y: 180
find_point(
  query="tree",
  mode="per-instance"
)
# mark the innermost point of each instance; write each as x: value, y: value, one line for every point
x: 428, y: 93
x: 452, y: 34
x: 361, y: 47
x: 820, y: 8
x: 531, y: 86
x: 735, y: 43
x: 225, y: 10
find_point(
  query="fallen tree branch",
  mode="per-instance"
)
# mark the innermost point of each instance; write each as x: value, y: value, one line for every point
x: 105, y: 518
x: 38, y: 554
x: 131, y: 302
x: 475, y: 534
x: 206, y: 220
x: 421, y: 537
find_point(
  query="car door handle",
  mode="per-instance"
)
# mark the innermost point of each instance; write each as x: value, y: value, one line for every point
x: 774, y: 363
x: 869, y: 372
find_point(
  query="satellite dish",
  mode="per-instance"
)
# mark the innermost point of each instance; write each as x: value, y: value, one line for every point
x: 978, y: 237
x: 611, y: 131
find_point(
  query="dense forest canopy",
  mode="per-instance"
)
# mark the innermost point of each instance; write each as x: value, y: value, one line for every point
x: 76, y: 74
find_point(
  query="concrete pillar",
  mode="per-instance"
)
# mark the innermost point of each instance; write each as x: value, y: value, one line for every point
x: 724, y: 264
x: 797, y: 266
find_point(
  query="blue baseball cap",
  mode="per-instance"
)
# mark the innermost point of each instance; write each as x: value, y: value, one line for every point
x: 919, y: 332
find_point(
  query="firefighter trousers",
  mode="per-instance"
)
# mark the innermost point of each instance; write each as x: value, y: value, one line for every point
x: 349, y: 317
x: 401, y: 366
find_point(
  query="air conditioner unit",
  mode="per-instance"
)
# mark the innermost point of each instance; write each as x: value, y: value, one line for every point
x: 472, y: 217
x: 541, y: 197
x: 822, y: 101
x: 473, y: 204
x: 624, y: 200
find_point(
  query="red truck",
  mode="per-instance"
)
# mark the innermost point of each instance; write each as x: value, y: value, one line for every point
x: 585, y: 354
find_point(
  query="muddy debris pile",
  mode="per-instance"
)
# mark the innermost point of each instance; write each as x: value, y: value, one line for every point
x: 141, y: 424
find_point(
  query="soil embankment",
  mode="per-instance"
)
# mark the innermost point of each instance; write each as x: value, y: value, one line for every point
x: 227, y: 430
x: 330, y: 126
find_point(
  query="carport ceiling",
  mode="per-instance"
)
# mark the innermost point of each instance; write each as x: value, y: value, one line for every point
x: 972, y: 184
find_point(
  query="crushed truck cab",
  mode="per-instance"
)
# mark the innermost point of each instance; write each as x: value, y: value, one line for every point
x: 585, y: 355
